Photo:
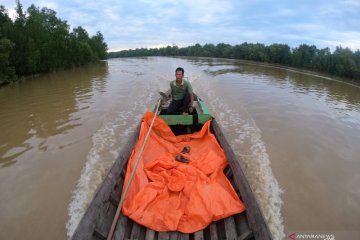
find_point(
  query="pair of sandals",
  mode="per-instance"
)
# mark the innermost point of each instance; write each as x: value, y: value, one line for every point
x: 181, y: 158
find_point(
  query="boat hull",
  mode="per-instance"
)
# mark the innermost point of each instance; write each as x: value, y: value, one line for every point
x: 98, y: 218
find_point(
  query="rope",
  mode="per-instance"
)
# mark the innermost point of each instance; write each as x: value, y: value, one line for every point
x: 118, y: 210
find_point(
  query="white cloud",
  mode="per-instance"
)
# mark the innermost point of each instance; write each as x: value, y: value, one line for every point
x: 286, y: 12
x: 12, y: 13
x: 344, y: 39
x: 207, y: 12
x: 145, y: 23
x: 352, y: 3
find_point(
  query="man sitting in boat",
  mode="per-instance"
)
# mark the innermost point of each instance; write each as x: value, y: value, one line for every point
x: 182, y: 95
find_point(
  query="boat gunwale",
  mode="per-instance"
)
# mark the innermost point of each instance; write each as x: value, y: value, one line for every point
x: 254, y: 213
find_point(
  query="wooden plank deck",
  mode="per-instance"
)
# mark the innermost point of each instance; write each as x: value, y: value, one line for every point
x: 225, y: 229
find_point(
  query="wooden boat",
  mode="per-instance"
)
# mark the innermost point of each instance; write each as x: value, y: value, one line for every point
x: 98, y: 218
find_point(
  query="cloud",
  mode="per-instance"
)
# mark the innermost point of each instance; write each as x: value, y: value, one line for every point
x: 206, y: 12
x: 344, y: 39
x: 352, y: 3
x: 145, y: 23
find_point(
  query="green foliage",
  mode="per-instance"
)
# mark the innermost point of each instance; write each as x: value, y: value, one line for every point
x: 7, y: 72
x: 345, y: 63
x: 342, y: 62
x: 98, y: 46
x: 38, y: 41
x: 279, y: 53
x: 303, y: 56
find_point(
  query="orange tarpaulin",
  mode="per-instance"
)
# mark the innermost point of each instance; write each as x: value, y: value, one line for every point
x: 167, y: 195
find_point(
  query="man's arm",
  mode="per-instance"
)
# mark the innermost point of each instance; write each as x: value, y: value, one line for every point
x: 191, y: 107
x: 171, y: 90
x: 191, y: 95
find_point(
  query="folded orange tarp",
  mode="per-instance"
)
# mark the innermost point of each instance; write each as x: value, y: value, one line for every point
x: 167, y: 195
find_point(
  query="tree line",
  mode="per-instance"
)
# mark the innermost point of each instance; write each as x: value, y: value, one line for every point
x: 341, y: 62
x: 37, y: 41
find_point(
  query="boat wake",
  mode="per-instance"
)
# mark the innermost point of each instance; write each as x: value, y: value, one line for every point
x: 245, y: 139
x: 106, y: 146
x: 118, y: 125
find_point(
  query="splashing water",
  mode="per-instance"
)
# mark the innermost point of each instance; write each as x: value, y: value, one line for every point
x: 245, y: 139
x: 118, y: 125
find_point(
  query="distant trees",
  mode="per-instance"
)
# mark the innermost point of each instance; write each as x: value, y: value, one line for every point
x: 37, y: 41
x: 342, y: 62
x: 346, y: 63
x: 7, y: 72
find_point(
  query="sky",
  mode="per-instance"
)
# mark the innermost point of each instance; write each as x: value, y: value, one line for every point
x: 130, y: 24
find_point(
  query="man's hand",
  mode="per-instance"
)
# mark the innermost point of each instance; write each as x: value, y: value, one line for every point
x: 191, y: 108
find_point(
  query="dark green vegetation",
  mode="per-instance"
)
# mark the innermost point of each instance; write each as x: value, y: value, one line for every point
x: 37, y: 42
x: 342, y: 62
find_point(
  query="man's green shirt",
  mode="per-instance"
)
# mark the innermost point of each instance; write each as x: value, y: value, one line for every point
x: 178, y: 92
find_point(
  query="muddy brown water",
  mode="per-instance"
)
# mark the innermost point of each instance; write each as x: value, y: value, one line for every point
x: 298, y: 136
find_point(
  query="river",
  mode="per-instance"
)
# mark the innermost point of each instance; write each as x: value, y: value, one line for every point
x: 297, y: 135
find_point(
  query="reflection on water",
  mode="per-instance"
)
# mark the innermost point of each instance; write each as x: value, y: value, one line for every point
x: 343, y: 98
x: 45, y: 124
x: 43, y: 107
